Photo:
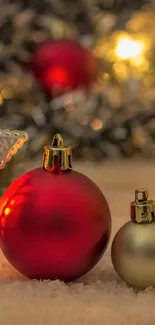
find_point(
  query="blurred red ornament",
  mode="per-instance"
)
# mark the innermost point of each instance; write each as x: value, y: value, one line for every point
x: 55, y: 223
x: 63, y: 65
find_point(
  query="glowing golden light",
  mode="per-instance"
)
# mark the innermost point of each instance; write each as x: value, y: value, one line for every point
x: 127, y: 48
x: 121, y: 71
x: 142, y: 63
x: 7, y: 211
x: 103, y: 77
x: 97, y: 124
x: 7, y: 93
x: 1, y: 99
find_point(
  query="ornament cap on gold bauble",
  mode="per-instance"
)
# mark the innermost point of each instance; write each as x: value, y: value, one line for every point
x: 133, y: 247
x: 57, y: 152
x: 142, y: 209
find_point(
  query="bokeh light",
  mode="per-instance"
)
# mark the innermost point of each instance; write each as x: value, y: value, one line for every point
x: 127, y: 48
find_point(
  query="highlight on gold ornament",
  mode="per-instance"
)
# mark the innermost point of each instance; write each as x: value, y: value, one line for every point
x: 10, y: 142
x: 57, y: 151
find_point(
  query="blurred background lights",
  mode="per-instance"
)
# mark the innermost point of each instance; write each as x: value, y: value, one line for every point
x: 1, y: 99
x: 127, y: 48
x: 96, y: 124
x: 122, y: 97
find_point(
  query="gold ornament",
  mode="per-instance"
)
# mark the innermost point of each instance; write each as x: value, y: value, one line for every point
x: 133, y: 248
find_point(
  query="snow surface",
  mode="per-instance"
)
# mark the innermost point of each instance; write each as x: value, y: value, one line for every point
x: 100, y: 297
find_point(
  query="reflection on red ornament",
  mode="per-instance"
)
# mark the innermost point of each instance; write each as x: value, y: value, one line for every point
x: 63, y: 63
x: 56, y: 76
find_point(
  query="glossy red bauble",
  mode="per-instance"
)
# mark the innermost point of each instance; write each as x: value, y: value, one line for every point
x: 63, y: 65
x: 54, y: 225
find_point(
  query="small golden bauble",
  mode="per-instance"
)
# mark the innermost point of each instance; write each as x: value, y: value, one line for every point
x: 133, y: 248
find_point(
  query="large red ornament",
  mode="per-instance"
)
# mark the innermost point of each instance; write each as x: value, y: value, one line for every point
x: 54, y: 222
x: 63, y: 65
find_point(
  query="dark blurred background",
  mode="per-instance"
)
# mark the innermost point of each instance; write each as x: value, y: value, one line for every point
x: 83, y: 68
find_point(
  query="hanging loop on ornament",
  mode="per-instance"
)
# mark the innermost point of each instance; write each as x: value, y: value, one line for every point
x: 142, y: 209
x: 57, y: 156
x: 57, y: 141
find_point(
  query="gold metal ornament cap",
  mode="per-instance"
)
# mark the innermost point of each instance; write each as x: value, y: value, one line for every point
x: 142, y: 209
x: 57, y: 152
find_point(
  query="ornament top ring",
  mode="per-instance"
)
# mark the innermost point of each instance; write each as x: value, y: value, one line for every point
x: 57, y: 152
x: 55, y: 223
